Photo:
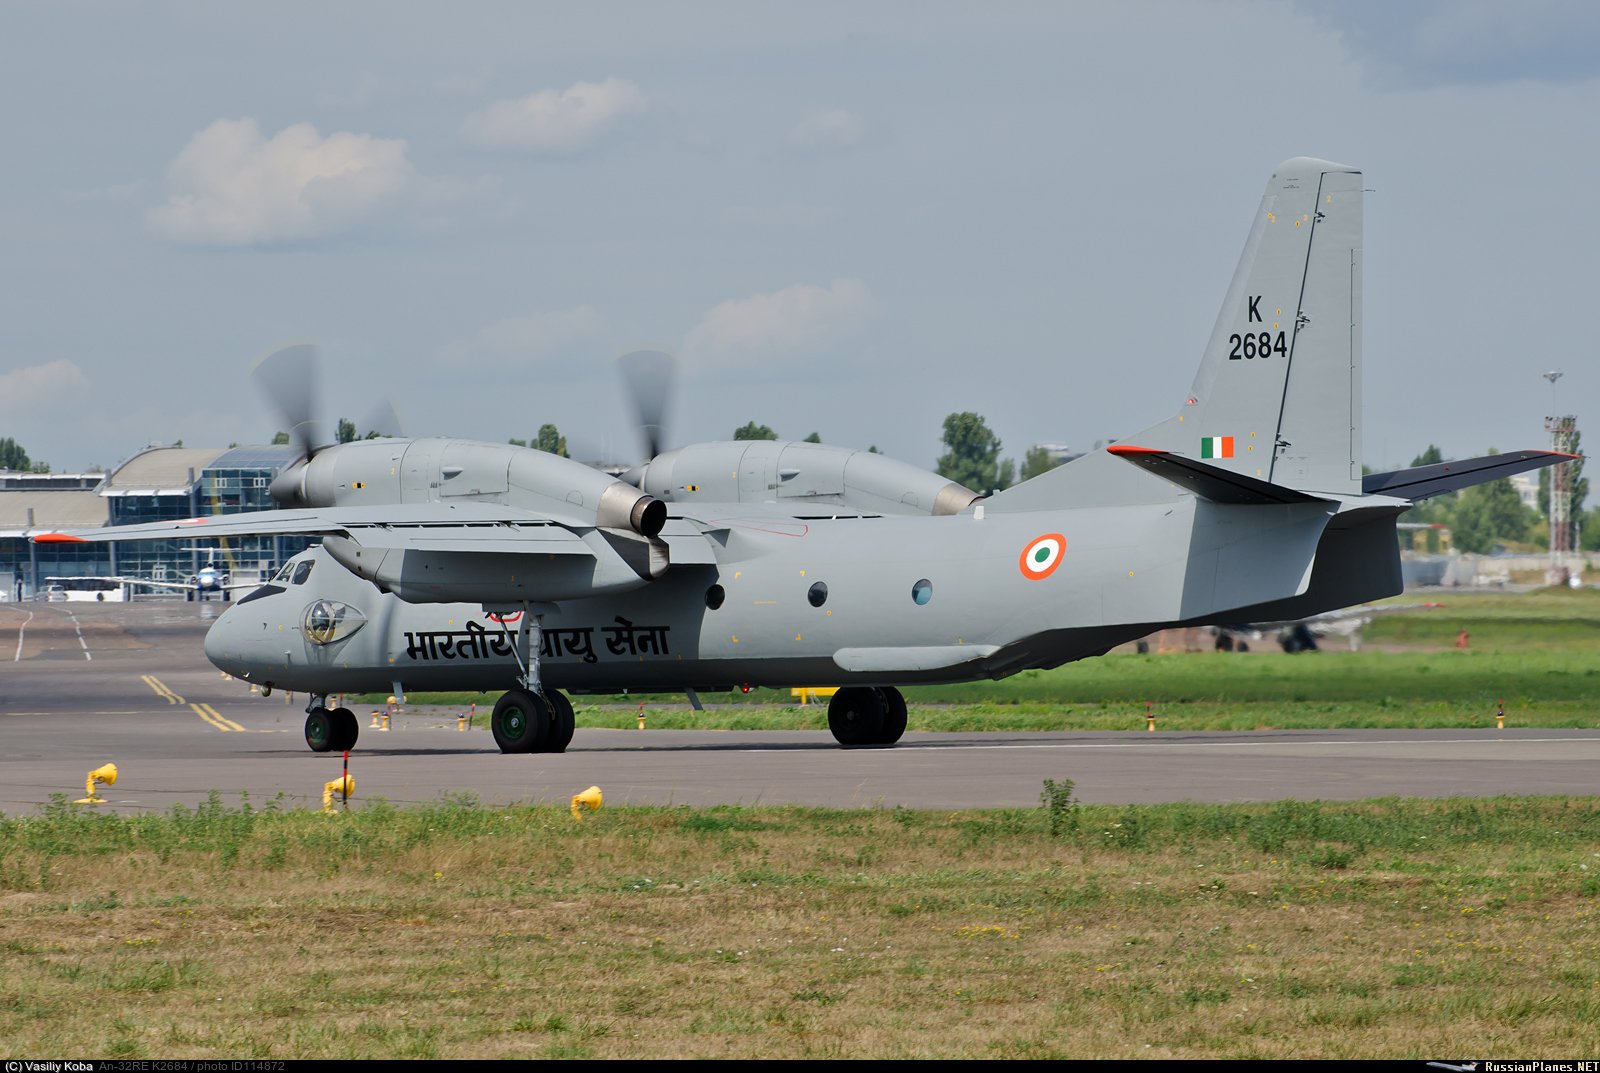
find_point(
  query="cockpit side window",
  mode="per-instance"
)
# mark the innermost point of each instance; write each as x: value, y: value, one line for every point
x: 302, y: 571
x: 283, y: 574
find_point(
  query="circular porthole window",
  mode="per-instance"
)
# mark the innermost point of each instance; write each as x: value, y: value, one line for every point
x: 817, y: 594
x: 922, y: 592
x: 715, y: 596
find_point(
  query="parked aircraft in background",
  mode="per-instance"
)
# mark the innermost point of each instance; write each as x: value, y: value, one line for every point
x: 447, y: 564
x: 1303, y: 635
x: 209, y: 579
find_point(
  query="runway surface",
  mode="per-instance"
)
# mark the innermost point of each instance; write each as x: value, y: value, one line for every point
x: 83, y: 684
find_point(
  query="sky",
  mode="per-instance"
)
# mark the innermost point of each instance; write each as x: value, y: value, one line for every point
x: 843, y: 218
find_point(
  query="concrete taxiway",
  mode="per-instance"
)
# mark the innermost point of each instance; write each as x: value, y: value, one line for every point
x: 84, y: 684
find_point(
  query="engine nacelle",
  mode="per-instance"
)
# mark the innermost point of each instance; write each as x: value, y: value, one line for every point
x: 384, y: 472
x: 799, y: 475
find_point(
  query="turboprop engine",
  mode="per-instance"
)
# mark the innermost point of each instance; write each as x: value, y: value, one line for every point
x: 799, y: 475
x: 384, y: 472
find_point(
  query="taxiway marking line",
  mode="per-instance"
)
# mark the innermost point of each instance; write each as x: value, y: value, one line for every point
x: 214, y: 717
x: 20, y: 631
x: 161, y: 690
x: 81, y: 641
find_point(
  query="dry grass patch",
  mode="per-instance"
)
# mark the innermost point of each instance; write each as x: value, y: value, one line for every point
x: 1387, y: 929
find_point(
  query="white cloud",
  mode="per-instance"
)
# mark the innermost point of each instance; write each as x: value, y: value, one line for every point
x: 520, y: 340
x: 828, y: 128
x: 792, y: 321
x: 556, y: 121
x: 22, y: 389
x: 232, y: 187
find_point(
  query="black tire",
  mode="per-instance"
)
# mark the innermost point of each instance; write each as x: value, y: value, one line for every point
x: 346, y: 729
x: 855, y: 715
x: 319, y: 730
x: 894, y: 715
x: 562, y: 722
x: 521, y: 722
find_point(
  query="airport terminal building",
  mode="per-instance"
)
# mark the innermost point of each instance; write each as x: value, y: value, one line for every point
x: 157, y: 484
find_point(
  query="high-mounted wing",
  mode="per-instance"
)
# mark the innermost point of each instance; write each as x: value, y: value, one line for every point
x: 447, y: 552
x: 177, y: 586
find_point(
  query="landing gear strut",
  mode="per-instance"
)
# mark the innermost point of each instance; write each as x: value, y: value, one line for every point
x: 330, y: 731
x: 531, y: 719
x: 865, y: 715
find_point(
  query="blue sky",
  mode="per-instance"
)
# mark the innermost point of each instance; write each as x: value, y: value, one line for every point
x: 845, y: 218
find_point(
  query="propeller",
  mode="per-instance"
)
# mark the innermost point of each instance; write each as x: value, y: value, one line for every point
x: 289, y: 379
x: 382, y: 419
x: 648, y: 377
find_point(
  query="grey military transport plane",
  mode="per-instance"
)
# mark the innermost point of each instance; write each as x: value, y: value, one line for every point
x: 447, y: 564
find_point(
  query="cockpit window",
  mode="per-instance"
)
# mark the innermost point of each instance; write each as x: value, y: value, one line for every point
x: 283, y: 574
x: 302, y: 571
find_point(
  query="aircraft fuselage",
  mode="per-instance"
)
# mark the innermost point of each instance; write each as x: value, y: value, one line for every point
x: 786, y: 601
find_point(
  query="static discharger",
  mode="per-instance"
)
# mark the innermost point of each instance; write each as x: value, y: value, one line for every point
x: 344, y: 786
x: 106, y: 773
x: 589, y: 799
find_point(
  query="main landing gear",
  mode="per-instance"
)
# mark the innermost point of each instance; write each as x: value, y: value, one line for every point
x: 529, y: 722
x: 330, y: 731
x: 867, y: 715
x: 531, y: 719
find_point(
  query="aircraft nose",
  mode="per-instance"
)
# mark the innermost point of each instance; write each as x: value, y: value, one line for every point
x: 228, y: 640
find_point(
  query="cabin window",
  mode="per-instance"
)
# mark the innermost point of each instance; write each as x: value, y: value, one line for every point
x: 817, y: 594
x: 715, y: 596
x: 922, y: 592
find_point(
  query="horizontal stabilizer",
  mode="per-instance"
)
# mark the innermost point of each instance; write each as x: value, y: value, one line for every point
x: 1210, y: 482
x: 1423, y: 482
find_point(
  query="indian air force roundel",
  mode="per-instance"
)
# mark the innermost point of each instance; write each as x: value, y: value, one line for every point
x: 1042, y: 555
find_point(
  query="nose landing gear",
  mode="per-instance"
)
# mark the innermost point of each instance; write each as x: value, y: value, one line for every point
x: 330, y: 731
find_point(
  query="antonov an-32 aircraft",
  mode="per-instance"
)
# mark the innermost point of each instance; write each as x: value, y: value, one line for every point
x: 447, y: 564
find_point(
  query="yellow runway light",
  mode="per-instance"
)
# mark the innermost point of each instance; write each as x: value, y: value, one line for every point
x: 106, y: 773
x: 589, y: 799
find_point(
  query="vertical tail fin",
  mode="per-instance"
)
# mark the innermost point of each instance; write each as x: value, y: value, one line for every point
x: 1278, y: 393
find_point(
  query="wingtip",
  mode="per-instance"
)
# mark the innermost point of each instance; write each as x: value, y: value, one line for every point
x: 57, y: 538
x: 1130, y: 449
